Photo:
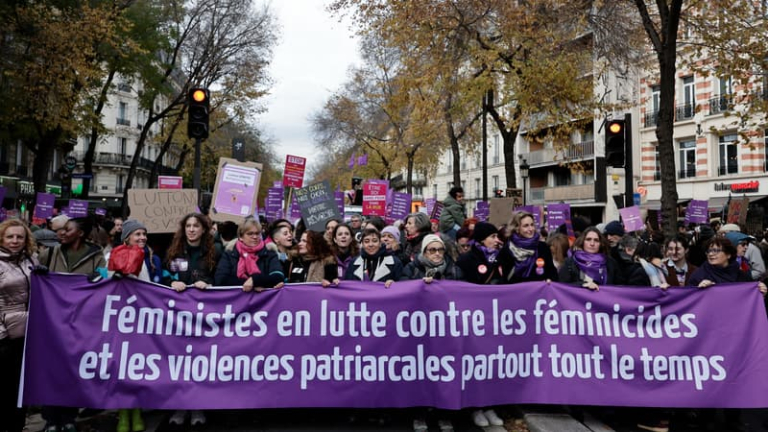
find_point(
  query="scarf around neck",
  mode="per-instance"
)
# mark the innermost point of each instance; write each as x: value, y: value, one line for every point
x: 489, y: 254
x: 593, y: 265
x: 247, y: 265
x: 717, y: 274
x: 431, y: 269
x: 524, y: 251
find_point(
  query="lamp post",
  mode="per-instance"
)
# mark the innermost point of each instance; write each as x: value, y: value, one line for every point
x: 524, y: 175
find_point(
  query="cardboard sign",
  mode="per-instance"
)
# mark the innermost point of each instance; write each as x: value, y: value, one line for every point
x: 318, y: 204
x: 236, y: 190
x: 375, y: 198
x: 160, y: 210
x: 293, y: 174
x: 737, y: 210
x: 501, y: 210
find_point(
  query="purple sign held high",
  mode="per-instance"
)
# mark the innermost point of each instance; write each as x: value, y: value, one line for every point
x: 44, y: 205
x: 697, y: 212
x: 339, y: 197
x: 273, y: 204
x: 122, y: 343
x: 482, y: 210
x: 77, y: 208
x: 430, y: 203
x: 101, y: 211
x: 401, y: 206
x: 559, y: 214
x: 630, y: 217
x: 295, y: 209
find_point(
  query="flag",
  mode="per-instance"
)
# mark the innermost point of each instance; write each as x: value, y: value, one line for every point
x: 352, y: 161
x: 362, y: 160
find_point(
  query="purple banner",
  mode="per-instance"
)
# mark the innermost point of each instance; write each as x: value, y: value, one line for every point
x: 430, y: 203
x: 630, y: 217
x: 697, y: 212
x: 44, y: 205
x: 77, y: 208
x: 401, y: 206
x: 126, y: 343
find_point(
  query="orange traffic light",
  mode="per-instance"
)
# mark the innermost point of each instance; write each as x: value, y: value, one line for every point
x: 199, y: 95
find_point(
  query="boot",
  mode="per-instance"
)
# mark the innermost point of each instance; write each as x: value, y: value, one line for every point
x: 137, y: 422
x: 123, y: 421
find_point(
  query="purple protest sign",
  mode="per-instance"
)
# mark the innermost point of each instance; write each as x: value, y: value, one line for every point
x: 44, y: 205
x: 482, y: 210
x: 339, y: 197
x: 295, y: 209
x: 631, y: 218
x: 236, y: 190
x: 122, y: 343
x: 558, y: 214
x: 430, y: 203
x: 101, y: 211
x: 77, y: 208
x: 273, y: 204
x: 401, y: 206
x: 535, y: 211
x: 697, y: 212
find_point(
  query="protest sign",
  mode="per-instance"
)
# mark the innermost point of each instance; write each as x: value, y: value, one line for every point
x: 737, y: 210
x: 273, y: 205
x: 160, y: 210
x: 559, y: 214
x: 125, y: 342
x: 339, y: 197
x: 375, y: 198
x: 401, y: 206
x: 295, y: 209
x: 293, y: 174
x: 697, y: 212
x: 44, y: 205
x: 170, y: 182
x: 236, y: 190
x: 500, y: 210
x: 318, y: 204
x: 77, y: 208
x: 430, y: 204
x: 482, y: 210
x: 630, y: 217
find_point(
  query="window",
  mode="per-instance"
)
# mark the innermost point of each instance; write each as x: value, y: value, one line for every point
x: 119, y: 184
x: 495, y: 180
x: 122, y: 114
x: 728, y: 162
x: 418, y: 191
x: 477, y: 188
x: 687, y: 159
x: 496, y: 150
x: 724, y: 100
x: 652, y: 116
x: 688, y: 108
x: 122, y: 146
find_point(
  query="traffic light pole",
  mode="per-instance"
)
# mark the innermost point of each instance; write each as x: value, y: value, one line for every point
x: 629, y: 181
x: 196, y: 174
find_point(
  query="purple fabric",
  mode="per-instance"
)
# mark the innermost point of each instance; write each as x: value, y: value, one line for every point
x: 698, y: 348
x: 592, y: 264
x: 525, y: 266
x: 489, y: 254
x: 44, y: 205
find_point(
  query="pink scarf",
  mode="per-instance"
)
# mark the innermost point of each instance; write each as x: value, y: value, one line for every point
x: 249, y: 256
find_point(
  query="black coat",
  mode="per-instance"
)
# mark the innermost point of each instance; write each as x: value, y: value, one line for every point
x: 570, y: 273
x: 416, y: 270
x: 190, y: 266
x: 271, y: 271
x: 477, y: 269
x: 507, y: 261
x: 381, y: 267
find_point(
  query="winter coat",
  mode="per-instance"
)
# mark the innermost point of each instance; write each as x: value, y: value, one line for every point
x: 507, y: 260
x: 571, y: 274
x: 416, y: 270
x: 15, y: 271
x: 311, y: 269
x: 453, y: 214
x: 477, y: 269
x: 379, y: 267
x: 190, y: 266
x: 271, y: 271
x: 89, y: 263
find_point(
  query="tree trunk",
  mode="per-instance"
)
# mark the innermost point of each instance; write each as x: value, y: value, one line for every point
x: 91, y: 150
x: 508, y: 137
x: 664, y: 134
x: 135, y: 163
x: 163, y: 150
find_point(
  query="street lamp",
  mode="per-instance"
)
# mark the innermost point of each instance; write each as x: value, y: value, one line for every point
x: 524, y: 175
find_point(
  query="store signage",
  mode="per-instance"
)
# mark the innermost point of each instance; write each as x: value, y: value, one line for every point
x: 750, y: 186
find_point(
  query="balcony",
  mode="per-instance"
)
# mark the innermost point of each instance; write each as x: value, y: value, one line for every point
x: 685, y: 112
x: 731, y: 168
x: 123, y: 122
x: 583, y: 192
x: 124, y: 87
x: 573, y: 152
x: 686, y: 173
x: 720, y: 104
x: 651, y: 119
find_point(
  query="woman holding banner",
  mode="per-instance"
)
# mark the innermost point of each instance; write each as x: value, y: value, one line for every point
x: 481, y: 265
x: 344, y: 247
x: 525, y: 257
x: 374, y: 263
x: 315, y: 261
x: 16, y: 261
x: 281, y: 243
x: 247, y: 263
x: 590, y: 266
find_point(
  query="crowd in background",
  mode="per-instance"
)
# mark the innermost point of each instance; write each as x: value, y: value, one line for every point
x: 257, y: 256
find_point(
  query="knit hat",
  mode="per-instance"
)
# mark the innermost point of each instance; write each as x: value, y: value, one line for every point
x: 392, y: 231
x: 731, y: 227
x: 705, y: 233
x: 130, y: 226
x: 482, y: 231
x: 614, y: 228
x: 430, y: 238
x: 46, y: 237
x: 736, y: 237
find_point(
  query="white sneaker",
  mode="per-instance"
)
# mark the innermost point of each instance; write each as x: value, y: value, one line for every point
x: 493, y: 418
x: 197, y: 418
x: 419, y: 425
x: 178, y: 418
x: 445, y: 425
x: 479, y: 419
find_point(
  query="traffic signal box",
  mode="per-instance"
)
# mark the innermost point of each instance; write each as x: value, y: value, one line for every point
x: 199, y: 110
x: 615, y: 143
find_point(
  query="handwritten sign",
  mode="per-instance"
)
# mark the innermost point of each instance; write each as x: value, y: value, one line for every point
x: 318, y: 204
x: 161, y: 209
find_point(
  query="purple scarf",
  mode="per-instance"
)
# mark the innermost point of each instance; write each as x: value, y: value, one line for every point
x: 593, y: 265
x: 523, y: 266
x: 489, y: 254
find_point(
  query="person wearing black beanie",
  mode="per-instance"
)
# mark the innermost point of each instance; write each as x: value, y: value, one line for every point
x: 480, y: 264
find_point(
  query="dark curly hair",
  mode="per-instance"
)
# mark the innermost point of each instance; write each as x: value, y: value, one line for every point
x: 179, y: 242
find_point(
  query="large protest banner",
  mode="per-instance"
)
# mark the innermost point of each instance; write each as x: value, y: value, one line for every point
x: 160, y: 210
x: 126, y: 343
x: 236, y: 190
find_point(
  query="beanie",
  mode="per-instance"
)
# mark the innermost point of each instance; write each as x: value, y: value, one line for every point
x: 482, y: 231
x: 130, y: 226
x: 394, y: 232
x: 430, y: 238
x: 614, y: 228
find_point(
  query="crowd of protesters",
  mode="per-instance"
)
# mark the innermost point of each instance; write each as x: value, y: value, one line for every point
x: 257, y: 257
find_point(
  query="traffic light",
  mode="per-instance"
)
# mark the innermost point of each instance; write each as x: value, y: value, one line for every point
x: 614, y: 143
x: 197, y: 120
x: 498, y: 193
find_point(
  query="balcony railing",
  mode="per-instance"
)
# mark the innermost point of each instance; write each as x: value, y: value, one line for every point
x: 576, y: 151
x: 731, y: 168
x: 720, y: 104
x: 686, y: 173
x: 651, y: 119
x: 123, y: 122
x: 124, y: 87
x: 685, y: 112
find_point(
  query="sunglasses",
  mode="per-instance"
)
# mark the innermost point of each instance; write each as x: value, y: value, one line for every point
x: 435, y: 250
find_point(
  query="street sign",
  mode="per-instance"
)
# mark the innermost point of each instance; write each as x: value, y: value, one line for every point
x: 70, y: 162
x: 82, y: 176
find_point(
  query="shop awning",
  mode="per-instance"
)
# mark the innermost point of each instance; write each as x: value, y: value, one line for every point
x: 716, y: 204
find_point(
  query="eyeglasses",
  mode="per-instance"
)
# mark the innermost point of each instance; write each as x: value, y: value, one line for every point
x: 714, y: 251
x: 435, y: 250
x: 745, y: 244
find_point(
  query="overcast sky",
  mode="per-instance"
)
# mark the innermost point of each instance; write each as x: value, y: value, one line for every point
x: 310, y: 63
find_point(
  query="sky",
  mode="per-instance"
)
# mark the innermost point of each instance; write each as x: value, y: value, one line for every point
x: 310, y: 63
